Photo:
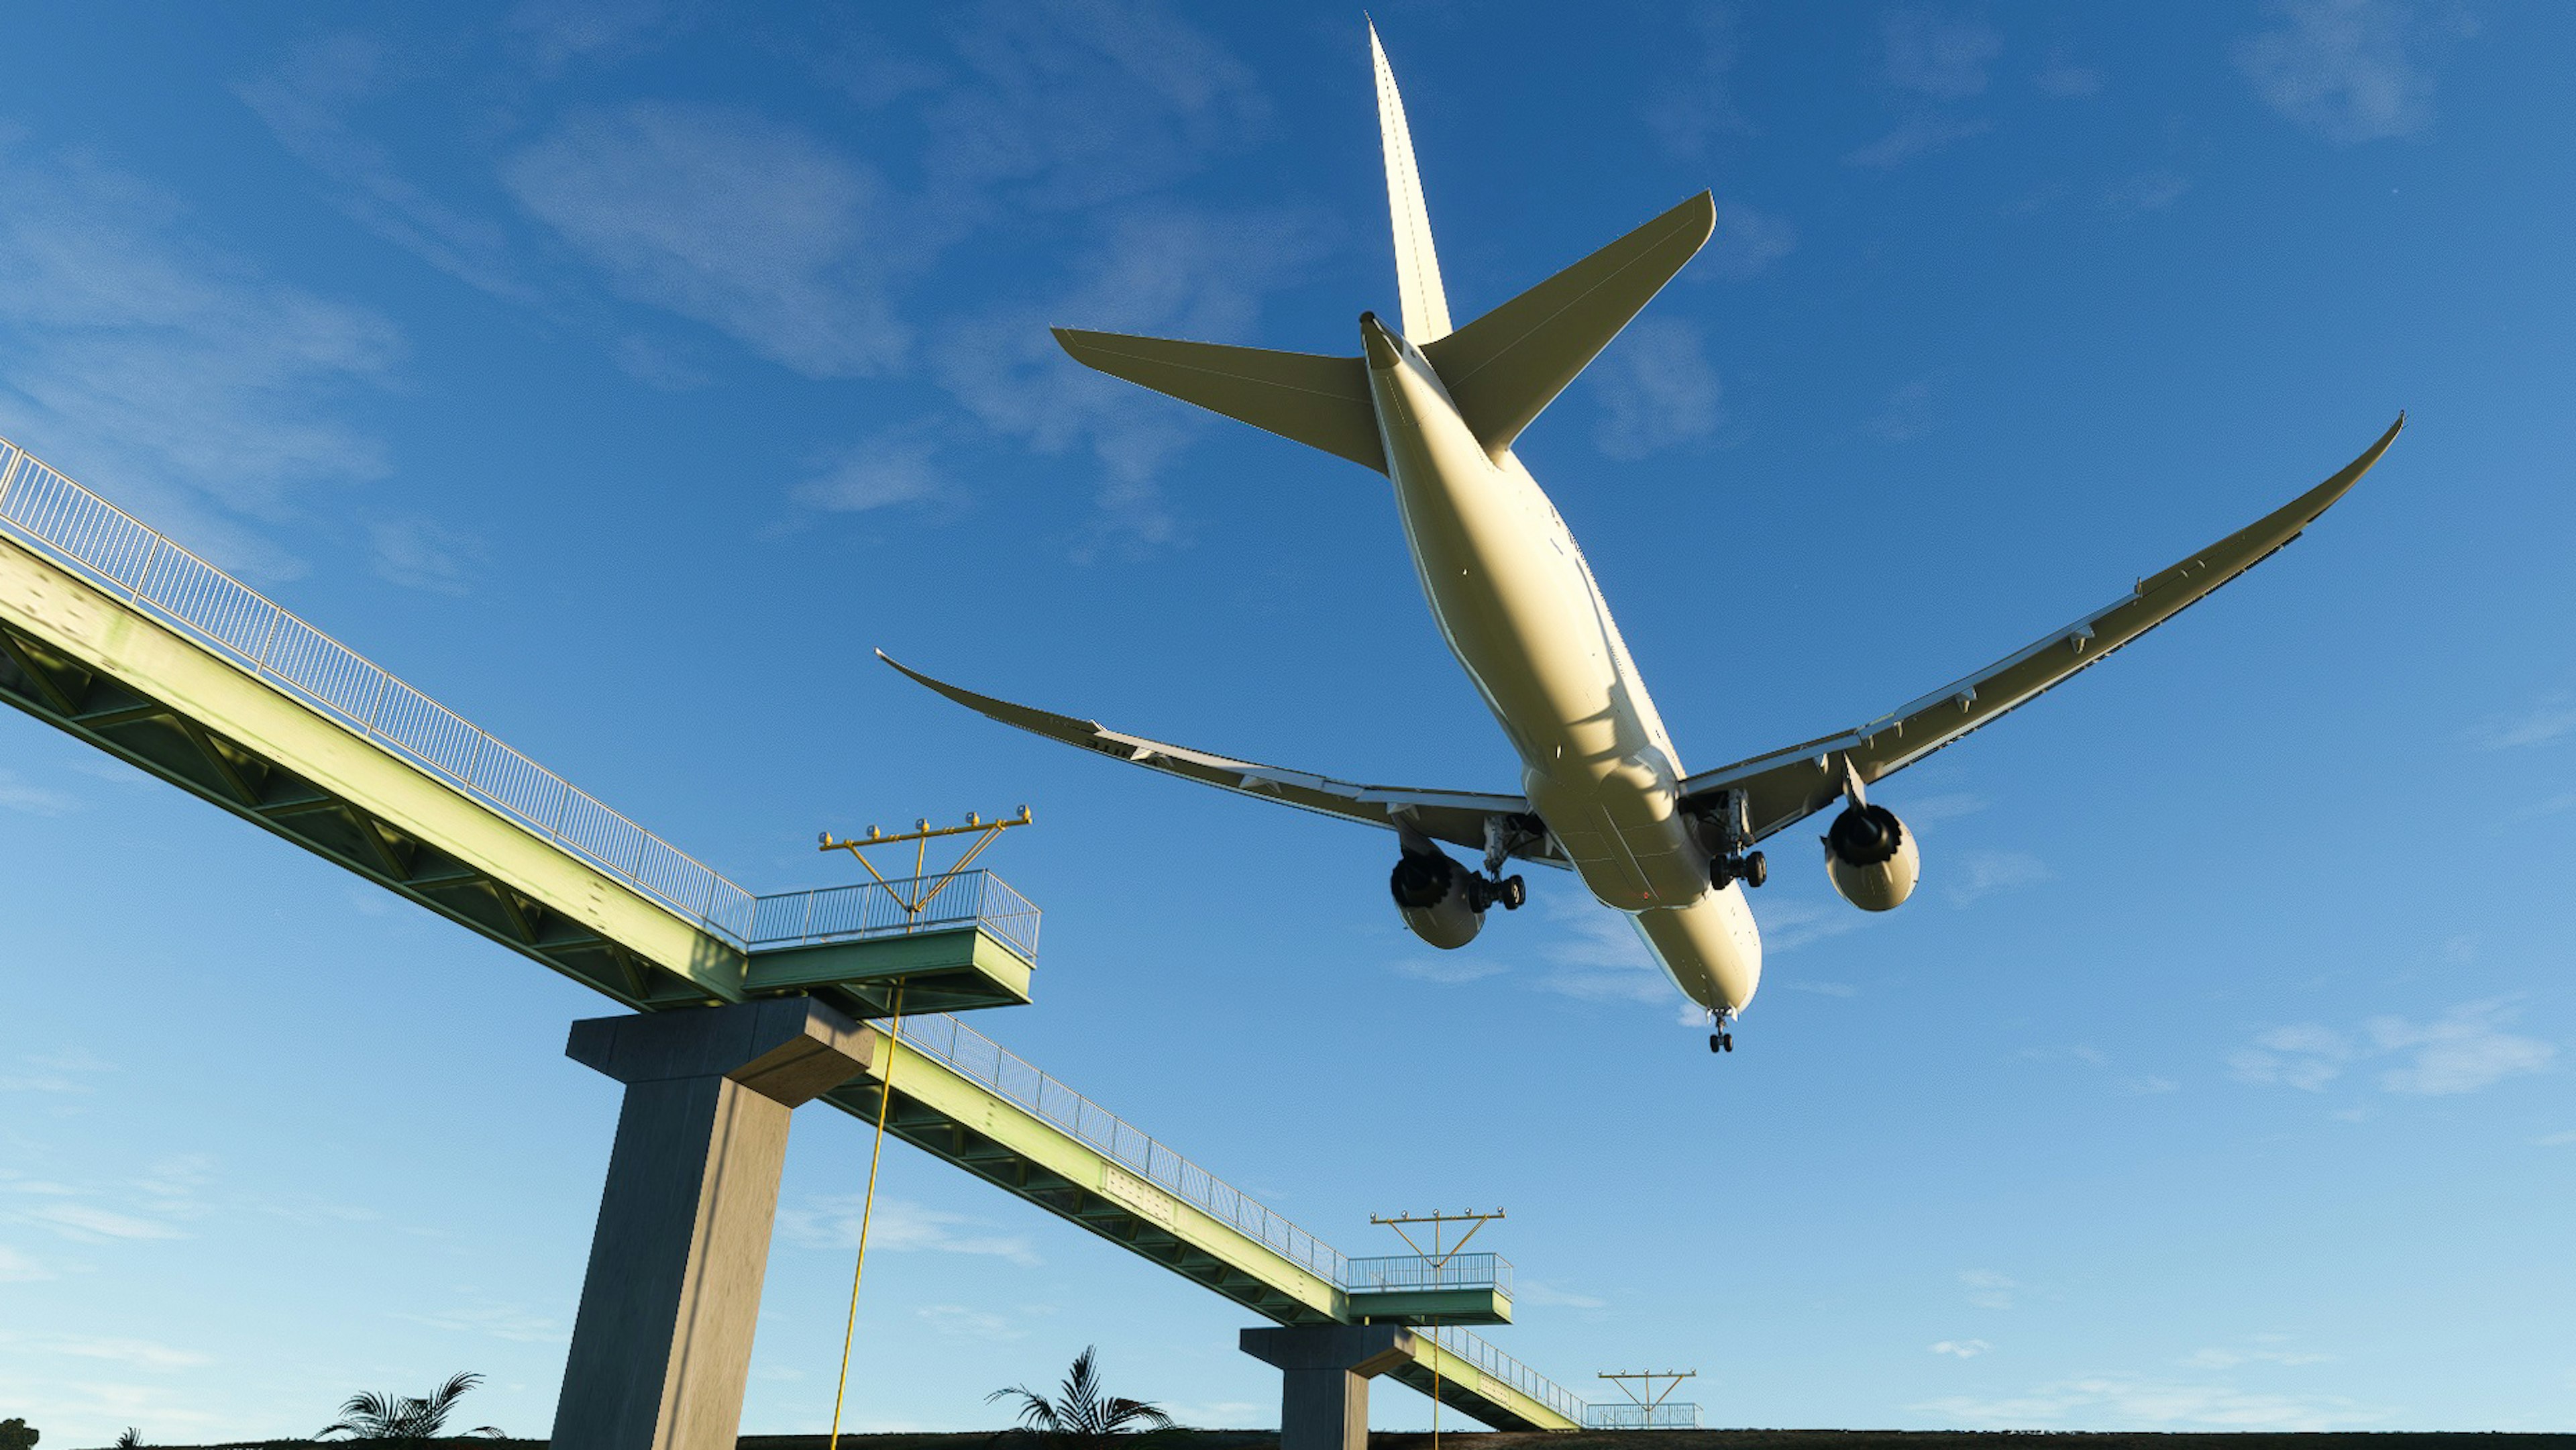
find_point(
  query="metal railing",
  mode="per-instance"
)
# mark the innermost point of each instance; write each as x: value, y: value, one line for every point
x: 885, y: 908
x: 980, y: 1060
x: 42, y: 507
x: 1402, y: 1272
x: 1672, y: 1415
x: 1476, y: 1350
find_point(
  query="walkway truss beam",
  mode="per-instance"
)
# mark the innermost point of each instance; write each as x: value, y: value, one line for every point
x: 87, y: 648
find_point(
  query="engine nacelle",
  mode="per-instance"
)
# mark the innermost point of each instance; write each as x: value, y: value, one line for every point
x: 1871, y: 858
x: 1441, y: 900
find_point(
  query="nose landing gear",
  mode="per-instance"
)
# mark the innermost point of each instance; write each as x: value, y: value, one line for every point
x: 1719, y: 1039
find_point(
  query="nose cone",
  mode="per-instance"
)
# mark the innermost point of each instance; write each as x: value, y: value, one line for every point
x: 1384, y: 351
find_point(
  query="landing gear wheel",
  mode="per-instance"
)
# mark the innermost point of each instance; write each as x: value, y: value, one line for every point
x: 1754, y: 870
x: 1726, y: 1041
x: 1514, y: 893
x: 1717, y: 1042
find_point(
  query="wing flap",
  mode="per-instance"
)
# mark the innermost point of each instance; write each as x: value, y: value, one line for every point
x: 1455, y: 816
x: 1788, y: 785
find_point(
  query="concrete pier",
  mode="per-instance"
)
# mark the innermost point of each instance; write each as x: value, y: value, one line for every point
x: 662, y: 1343
x: 1323, y: 1402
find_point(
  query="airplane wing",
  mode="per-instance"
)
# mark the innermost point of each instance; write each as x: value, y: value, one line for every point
x: 1458, y: 817
x: 1786, y: 786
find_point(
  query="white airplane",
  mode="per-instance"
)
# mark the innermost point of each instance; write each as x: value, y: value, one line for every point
x: 1603, y: 790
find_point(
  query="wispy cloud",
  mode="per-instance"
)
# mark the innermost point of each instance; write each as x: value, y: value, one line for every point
x: 2304, y: 1056
x: 1543, y: 1294
x: 1934, y: 60
x: 1789, y: 923
x: 1983, y: 873
x: 1917, y: 135
x: 2231, y: 1358
x: 1988, y: 1289
x: 1598, y: 957
x: 1655, y: 389
x: 751, y: 226
x: 1696, y: 104
x: 139, y: 354
x: 18, y: 1268
x: 2062, y: 78
x: 1449, y: 969
x: 515, y: 1323
x: 2462, y: 1051
x: 2344, y: 69
x: 2125, y: 1402
x: 895, y: 467
x: 1746, y: 243
x: 424, y: 554
x: 1944, y: 55
x: 2546, y: 723
x: 1906, y: 415
x: 2147, y: 191
x: 898, y: 1226
x: 16, y: 794
x: 307, y: 103
x: 956, y: 1321
x: 2555, y: 1140
x: 553, y: 32
x: 1961, y: 1348
x: 88, y: 1223
x: 1946, y: 806
x: 1165, y: 271
x: 145, y: 1354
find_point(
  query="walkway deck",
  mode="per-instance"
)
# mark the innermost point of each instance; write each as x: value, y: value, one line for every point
x: 117, y: 636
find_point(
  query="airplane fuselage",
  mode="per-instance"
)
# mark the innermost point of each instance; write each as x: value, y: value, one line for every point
x: 1520, y: 610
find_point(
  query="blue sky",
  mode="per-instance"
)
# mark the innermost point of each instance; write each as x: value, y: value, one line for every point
x: 622, y: 374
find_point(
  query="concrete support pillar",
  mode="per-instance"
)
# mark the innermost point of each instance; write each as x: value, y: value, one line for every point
x: 1323, y: 1404
x: 662, y: 1342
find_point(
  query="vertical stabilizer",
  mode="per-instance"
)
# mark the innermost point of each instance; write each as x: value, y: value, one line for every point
x: 1417, y: 267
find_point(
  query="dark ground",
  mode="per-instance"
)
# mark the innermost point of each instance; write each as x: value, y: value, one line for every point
x: 1647, y: 1440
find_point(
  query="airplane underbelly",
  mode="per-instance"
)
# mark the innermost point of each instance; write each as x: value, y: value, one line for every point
x: 1712, y: 950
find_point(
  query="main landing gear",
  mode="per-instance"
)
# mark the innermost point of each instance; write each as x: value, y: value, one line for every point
x: 1748, y: 868
x: 1509, y: 893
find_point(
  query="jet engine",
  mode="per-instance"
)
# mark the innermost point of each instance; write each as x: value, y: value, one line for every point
x: 1871, y: 858
x: 1443, y: 902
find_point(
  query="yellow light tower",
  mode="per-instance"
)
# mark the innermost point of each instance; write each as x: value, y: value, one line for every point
x: 1436, y: 1258
x: 925, y: 888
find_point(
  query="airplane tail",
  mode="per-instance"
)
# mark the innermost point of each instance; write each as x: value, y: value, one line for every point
x: 1505, y: 367
x: 1322, y: 402
x: 1417, y: 266
x: 1501, y: 370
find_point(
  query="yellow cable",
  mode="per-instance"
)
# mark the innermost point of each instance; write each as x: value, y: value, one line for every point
x: 867, y: 1207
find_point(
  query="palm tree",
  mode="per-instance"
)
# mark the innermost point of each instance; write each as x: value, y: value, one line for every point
x: 1080, y: 1417
x: 371, y: 1416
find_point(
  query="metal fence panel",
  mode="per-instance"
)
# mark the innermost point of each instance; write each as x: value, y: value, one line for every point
x: 41, y: 507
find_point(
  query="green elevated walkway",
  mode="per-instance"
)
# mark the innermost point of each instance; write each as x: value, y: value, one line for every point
x: 115, y: 635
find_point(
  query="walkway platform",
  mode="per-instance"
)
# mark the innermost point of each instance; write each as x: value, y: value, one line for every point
x: 115, y: 635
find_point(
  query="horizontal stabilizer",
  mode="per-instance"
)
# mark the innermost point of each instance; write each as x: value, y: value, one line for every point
x: 1322, y: 402
x: 1507, y: 365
